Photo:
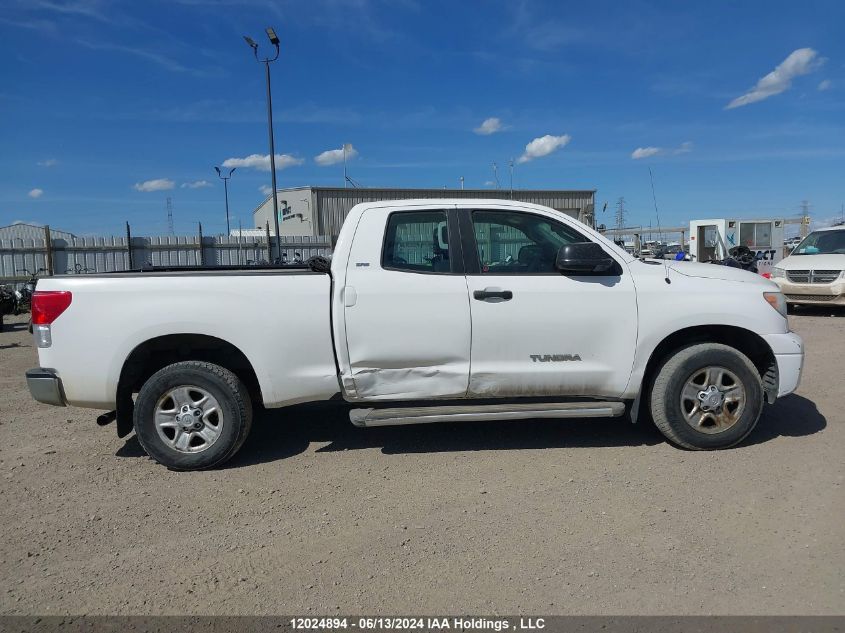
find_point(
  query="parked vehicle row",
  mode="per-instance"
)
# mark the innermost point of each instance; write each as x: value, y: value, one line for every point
x: 17, y: 301
x: 814, y: 274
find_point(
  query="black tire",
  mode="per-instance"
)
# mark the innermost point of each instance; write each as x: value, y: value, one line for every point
x: 665, y: 400
x: 221, y: 384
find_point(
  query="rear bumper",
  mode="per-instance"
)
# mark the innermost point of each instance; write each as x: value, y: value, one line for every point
x: 789, y: 355
x: 45, y: 386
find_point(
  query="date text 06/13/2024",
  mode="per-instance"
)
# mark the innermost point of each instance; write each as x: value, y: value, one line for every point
x: 417, y: 623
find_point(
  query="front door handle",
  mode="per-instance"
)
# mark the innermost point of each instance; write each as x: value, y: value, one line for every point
x: 492, y: 295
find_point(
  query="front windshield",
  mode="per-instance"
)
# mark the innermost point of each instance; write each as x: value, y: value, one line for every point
x: 822, y: 243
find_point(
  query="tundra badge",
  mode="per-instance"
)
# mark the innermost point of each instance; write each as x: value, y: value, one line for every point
x: 545, y: 358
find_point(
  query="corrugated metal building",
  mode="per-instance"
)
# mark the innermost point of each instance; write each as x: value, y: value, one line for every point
x: 321, y: 210
x: 22, y: 231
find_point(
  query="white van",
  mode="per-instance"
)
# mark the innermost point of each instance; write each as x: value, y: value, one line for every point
x: 814, y: 274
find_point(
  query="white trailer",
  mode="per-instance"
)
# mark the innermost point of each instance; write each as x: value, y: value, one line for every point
x: 712, y: 240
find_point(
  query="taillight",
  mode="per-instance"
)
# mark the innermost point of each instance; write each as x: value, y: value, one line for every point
x: 47, y: 305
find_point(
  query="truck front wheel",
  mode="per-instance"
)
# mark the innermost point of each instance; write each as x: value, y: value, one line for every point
x: 707, y: 396
x: 192, y: 415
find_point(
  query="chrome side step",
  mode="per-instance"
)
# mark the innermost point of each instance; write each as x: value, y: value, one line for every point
x: 479, y: 413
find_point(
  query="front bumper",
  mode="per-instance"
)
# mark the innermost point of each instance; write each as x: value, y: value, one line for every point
x: 813, y: 294
x: 789, y: 355
x: 45, y: 386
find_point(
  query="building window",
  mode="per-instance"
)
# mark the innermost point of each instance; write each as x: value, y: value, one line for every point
x: 757, y: 234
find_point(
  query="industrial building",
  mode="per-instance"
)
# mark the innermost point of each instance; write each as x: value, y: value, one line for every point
x: 313, y: 211
x: 24, y: 231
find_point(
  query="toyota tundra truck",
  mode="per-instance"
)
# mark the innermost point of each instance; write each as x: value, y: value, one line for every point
x: 428, y: 311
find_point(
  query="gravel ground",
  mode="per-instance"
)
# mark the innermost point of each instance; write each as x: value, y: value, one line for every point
x: 317, y: 517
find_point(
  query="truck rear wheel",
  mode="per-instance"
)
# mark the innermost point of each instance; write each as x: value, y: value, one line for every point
x: 192, y: 415
x: 707, y: 396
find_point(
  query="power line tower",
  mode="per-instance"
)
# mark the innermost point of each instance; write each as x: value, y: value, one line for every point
x: 621, y: 213
x: 169, y: 216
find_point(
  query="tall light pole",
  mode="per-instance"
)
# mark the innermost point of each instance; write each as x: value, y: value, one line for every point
x: 225, y: 180
x: 274, y: 40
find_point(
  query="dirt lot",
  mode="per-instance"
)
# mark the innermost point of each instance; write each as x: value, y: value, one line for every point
x: 315, y: 516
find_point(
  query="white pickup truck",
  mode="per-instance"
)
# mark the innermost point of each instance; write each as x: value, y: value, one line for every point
x: 430, y: 311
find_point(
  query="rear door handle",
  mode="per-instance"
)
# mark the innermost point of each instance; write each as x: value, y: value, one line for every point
x: 492, y: 295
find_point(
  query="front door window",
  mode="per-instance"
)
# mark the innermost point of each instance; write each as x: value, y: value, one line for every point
x: 512, y: 242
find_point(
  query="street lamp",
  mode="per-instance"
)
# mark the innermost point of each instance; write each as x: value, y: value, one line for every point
x: 274, y: 40
x: 225, y: 180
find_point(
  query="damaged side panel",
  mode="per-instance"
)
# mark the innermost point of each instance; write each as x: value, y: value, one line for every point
x: 408, y: 332
x: 409, y: 383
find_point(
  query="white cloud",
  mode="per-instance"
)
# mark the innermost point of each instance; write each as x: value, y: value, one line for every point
x: 645, y: 152
x: 158, y: 184
x: 334, y: 156
x: 489, y: 183
x: 196, y: 184
x: 648, y: 152
x: 489, y: 126
x: 799, y: 62
x: 825, y: 84
x: 262, y: 162
x: 36, y: 193
x: 543, y: 146
x: 266, y: 189
x: 50, y: 162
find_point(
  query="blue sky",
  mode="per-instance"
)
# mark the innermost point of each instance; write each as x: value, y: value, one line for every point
x: 106, y: 104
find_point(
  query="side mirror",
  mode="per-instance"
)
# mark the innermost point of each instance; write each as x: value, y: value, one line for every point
x: 583, y: 258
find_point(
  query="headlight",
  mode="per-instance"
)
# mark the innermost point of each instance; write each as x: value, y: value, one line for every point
x: 778, y: 272
x: 777, y: 301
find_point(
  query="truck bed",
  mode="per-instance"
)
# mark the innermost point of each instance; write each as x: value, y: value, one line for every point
x: 279, y: 317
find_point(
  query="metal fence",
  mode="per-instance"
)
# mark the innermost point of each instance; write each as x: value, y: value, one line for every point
x: 21, y: 257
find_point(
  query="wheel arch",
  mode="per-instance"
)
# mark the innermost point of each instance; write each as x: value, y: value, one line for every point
x: 158, y: 352
x: 746, y: 341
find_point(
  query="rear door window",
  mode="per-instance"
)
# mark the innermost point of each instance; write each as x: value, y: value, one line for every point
x: 417, y: 241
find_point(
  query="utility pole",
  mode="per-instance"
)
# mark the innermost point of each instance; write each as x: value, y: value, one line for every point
x: 511, y: 170
x: 805, y: 218
x: 654, y: 197
x: 345, y: 177
x: 240, y: 239
x: 274, y: 40
x: 169, y: 216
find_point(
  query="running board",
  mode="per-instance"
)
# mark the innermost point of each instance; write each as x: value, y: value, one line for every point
x: 479, y: 413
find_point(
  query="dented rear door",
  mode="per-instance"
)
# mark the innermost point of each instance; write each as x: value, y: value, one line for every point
x: 406, y: 307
